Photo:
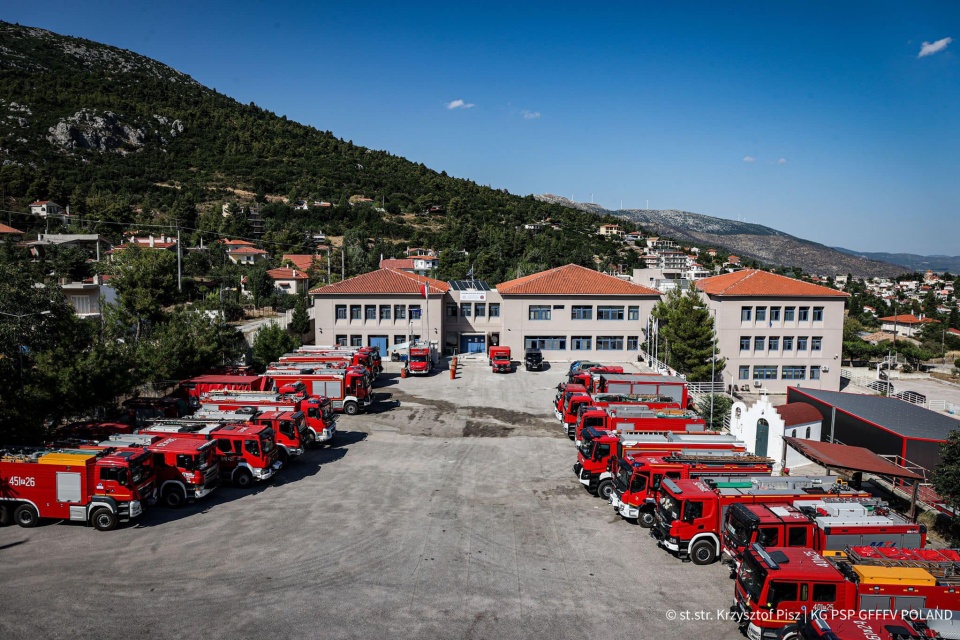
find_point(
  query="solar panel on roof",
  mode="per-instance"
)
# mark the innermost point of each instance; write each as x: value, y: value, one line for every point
x: 468, y: 285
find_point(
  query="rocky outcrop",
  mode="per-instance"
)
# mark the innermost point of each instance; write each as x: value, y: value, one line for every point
x: 107, y: 132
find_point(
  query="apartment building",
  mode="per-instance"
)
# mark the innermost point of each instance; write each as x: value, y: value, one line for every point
x: 776, y: 331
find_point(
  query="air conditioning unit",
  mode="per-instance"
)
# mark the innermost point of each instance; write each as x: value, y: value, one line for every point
x: 825, y: 369
x: 757, y: 384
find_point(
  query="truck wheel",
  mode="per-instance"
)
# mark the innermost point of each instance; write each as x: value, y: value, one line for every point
x: 309, y: 439
x: 647, y: 519
x: 703, y: 553
x: 789, y: 632
x: 242, y: 478
x: 350, y: 408
x: 174, y: 498
x: 604, y: 489
x: 5, y: 516
x: 26, y: 516
x: 104, y: 520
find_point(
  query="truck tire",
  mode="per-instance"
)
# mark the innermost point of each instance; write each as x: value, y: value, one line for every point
x: 242, y: 478
x: 647, y: 519
x: 351, y: 408
x: 703, y: 552
x: 6, y: 515
x: 174, y: 498
x: 309, y: 439
x: 104, y: 520
x: 26, y: 516
x: 605, y: 488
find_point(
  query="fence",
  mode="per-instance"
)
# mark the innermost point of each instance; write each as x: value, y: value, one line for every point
x: 885, y: 387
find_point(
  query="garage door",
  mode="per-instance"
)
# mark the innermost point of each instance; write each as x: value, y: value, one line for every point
x: 473, y: 344
x: 379, y: 341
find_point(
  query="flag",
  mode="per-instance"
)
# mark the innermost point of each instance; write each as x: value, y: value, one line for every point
x: 470, y: 273
x: 425, y: 290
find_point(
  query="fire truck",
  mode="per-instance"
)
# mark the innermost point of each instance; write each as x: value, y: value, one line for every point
x: 187, y: 469
x: 288, y: 426
x: 597, y: 456
x: 564, y: 392
x: 321, y: 422
x: 776, y: 585
x: 369, y: 357
x: 330, y: 362
x: 349, y: 391
x: 589, y: 377
x: 625, y: 416
x: 420, y: 360
x: 193, y: 388
x: 246, y: 452
x: 825, y: 624
x: 638, y: 476
x: 690, y: 512
x: 827, y: 528
x: 500, y: 360
x: 648, y: 387
x: 100, y: 488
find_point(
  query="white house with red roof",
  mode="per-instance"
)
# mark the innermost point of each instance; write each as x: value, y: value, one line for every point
x: 762, y: 427
x: 45, y: 208
x: 243, y: 252
x: 775, y: 331
x: 904, y: 324
x: 290, y: 281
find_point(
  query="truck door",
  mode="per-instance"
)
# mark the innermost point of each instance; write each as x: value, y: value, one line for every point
x: 68, y: 487
x: 797, y: 536
x: 769, y: 536
x: 784, y: 595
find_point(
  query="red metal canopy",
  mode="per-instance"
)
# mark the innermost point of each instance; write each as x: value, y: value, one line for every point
x: 841, y: 456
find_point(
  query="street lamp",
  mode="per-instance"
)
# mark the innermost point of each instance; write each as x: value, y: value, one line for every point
x: 713, y: 366
x: 20, y: 317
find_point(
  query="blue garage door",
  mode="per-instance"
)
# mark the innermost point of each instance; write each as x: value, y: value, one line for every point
x: 379, y: 341
x: 473, y: 344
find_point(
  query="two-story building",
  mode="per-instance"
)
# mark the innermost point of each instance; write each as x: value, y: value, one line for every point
x: 776, y: 331
x: 45, y: 208
x: 904, y: 325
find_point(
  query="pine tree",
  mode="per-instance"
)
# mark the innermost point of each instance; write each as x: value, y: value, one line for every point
x: 946, y: 478
x: 300, y: 320
x: 686, y: 326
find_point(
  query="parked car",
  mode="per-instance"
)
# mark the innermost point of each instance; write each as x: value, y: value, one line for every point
x: 533, y: 360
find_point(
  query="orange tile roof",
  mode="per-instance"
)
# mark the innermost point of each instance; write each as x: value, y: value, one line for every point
x: 906, y: 319
x: 795, y: 413
x: 301, y: 261
x: 573, y: 279
x: 396, y: 263
x: 756, y: 283
x: 5, y: 229
x: 237, y: 243
x: 245, y: 251
x: 287, y: 274
x: 383, y: 281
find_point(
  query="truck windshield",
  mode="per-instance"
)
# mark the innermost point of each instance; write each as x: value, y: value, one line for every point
x: 622, y: 480
x: 669, y: 508
x: 138, y: 471
x: 737, y: 529
x: 418, y: 358
x: 586, y: 449
x: 751, y: 577
x: 286, y: 428
x: 267, y: 440
x: 186, y: 461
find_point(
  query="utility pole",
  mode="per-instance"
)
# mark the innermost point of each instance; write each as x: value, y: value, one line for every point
x: 179, y: 262
x: 328, y: 264
x: 343, y: 263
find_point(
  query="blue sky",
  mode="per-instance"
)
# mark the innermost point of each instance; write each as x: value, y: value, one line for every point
x: 820, y: 119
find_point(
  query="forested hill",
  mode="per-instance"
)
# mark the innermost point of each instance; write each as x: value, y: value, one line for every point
x: 120, y: 137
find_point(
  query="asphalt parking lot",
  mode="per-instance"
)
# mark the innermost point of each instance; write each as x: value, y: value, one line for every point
x: 449, y: 512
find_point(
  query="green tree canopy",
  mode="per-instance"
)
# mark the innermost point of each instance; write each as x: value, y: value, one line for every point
x: 946, y: 477
x: 686, y: 329
x: 271, y: 342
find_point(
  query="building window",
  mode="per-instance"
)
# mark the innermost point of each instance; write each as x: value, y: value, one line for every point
x: 341, y: 341
x: 633, y: 313
x: 745, y: 314
x: 494, y: 309
x: 802, y: 344
x: 581, y: 312
x: 581, y: 343
x: 816, y: 343
x: 451, y: 311
x: 609, y: 343
x: 539, y: 312
x: 758, y: 343
x: 808, y: 433
x: 355, y: 312
x: 356, y: 341
x: 744, y: 343
x: 480, y: 310
x: 633, y: 343
x: 370, y: 312
x: 609, y: 313
x: 744, y: 372
x: 764, y: 373
x: 803, y: 314
x: 818, y: 314
x: 559, y: 306
x: 794, y: 373
x: 399, y: 340
x: 546, y: 343
x: 466, y: 309
x: 341, y: 310
x: 788, y: 314
x: 814, y: 374
x: 399, y: 312
x: 414, y: 312
x: 788, y: 343
x: 774, y: 314
x: 761, y: 314
x: 384, y: 312
x: 773, y: 344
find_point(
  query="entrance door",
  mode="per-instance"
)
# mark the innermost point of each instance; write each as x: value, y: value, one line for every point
x: 763, y: 435
x: 473, y: 344
x: 379, y: 341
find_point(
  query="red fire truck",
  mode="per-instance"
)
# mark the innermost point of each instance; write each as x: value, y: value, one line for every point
x: 827, y: 528
x: 321, y: 422
x: 590, y: 376
x: 825, y: 624
x: 638, y: 476
x: 367, y: 356
x: 193, y: 388
x: 99, y: 488
x: 187, y: 469
x: 776, y: 585
x: 288, y: 426
x: 328, y: 362
x: 420, y: 360
x: 626, y: 416
x: 349, y: 391
x: 648, y: 387
x: 246, y: 452
x: 500, y: 360
x: 690, y: 512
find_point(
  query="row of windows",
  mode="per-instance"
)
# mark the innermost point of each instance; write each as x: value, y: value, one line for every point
x: 774, y: 343
x: 581, y: 343
x: 787, y: 372
x: 357, y: 341
x: 476, y: 310
x: 790, y: 314
x: 583, y: 312
x: 386, y: 312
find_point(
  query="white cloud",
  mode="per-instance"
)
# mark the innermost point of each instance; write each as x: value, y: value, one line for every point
x: 529, y: 115
x: 930, y: 48
x: 749, y: 159
x: 460, y: 104
x: 782, y: 161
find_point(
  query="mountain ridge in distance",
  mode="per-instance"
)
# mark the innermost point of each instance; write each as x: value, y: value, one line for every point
x: 913, y: 261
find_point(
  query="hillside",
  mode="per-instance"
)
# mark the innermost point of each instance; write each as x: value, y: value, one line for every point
x: 126, y: 140
x: 913, y: 261
x: 767, y: 246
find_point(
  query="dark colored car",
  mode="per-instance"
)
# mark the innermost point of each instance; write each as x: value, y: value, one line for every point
x: 533, y: 360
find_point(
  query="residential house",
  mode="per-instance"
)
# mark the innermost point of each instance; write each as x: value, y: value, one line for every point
x: 96, y: 245
x: 421, y: 265
x: 611, y: 230
x: 301, y: 261
x: 243, y: 252
x: 290, y: 281
x: 45, y: 208
x: 9, y: 233
x: 904, y: 324
x: 85, y: 297
x: 775, y: 331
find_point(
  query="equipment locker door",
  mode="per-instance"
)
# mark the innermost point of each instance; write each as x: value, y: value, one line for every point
x: 68, y: 487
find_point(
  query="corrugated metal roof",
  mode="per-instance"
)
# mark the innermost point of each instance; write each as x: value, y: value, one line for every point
x: 795, y: 413
x: 841, y: 456
x: 895, y: 415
